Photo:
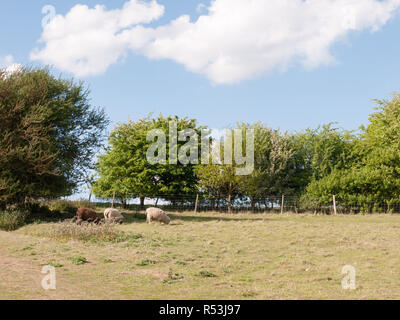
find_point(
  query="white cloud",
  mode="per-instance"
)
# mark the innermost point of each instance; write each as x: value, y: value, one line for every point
x: 8, y: 65
x: 87, y: 41
x: 235, y: 40
x: 201, y: 7
x: 6, y: 61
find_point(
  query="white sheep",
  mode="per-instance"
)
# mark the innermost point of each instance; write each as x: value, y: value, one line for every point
x: 113, y: 215
x: 155, y: 214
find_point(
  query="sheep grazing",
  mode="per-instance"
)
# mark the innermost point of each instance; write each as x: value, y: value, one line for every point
x: 155, y: 214
x: 113, y: 216
x: 86, y: 214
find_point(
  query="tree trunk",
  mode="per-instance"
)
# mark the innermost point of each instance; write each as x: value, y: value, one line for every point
x: 142, y: 203
x: 196, y: 206
x: 253, y: 205
x: 229, y: 203
x: 124, y: 204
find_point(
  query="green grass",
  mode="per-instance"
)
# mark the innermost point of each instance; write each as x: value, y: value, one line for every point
x: 206, y: 274
x: 208, y: 256
x: 79, y: 260
x: 146, y: 262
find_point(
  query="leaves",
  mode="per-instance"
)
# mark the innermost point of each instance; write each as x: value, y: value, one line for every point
x: 49, y: 134
x: 125, y: 170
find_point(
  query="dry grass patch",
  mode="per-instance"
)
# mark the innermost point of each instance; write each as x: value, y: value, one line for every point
x: 252, y: 256
x: 86, y: 232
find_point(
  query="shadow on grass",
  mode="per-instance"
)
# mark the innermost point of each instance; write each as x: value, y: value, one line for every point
x: 141, y: 217
x: 134, y: 217
x: 199, y: 218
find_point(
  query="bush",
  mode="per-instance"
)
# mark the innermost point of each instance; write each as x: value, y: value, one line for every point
x: 41, y: 211
x: 310, y: 203
x: 12, y: 220
x: 36, y: 208
x: 63, y: 206
x: 82, y: 203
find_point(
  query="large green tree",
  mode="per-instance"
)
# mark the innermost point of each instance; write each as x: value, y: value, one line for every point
x: 125, y: 170
x: 219, y: 181
x: 272, y: 155
x: 49, y: 134
x: 367, y: 165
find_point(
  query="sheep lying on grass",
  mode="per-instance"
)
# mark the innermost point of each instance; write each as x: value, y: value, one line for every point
x: 155, y: 214
x: 113, y: 216
x: 86, y: 214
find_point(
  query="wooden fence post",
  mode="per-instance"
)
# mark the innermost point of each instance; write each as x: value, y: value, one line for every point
x: 282, y: 203
x: 112, y: 205
x: 334, y: 205
x: 197, y: 203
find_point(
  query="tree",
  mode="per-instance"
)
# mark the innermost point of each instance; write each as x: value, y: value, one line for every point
x: 49, y: 134
x: 331, y: 149
x: 368, y: 164
x: 126, y: 171
x: 219, y: 181
x: 273, y: 152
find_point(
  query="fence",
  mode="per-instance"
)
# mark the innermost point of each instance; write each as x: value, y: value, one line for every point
x: 267, y: 204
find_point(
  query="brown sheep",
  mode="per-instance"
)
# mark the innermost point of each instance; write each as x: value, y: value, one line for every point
x: 86, y: 214
x: 155, y: 214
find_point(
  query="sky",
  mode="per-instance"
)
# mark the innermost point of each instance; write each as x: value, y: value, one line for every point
x: 291, y: 64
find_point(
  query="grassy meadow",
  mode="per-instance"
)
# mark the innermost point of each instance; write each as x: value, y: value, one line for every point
x: 206, y: 256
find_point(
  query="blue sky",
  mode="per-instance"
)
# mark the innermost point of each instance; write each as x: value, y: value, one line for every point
x: 366, y: 68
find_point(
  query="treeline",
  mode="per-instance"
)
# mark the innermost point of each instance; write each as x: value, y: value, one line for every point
x: 358, y: 167
x: 50, y: 136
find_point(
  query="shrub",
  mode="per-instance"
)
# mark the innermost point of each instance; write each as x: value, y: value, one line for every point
x: 309, y: 203
x: 36, y: 208
x: 63, y: 206
x: 46, y: 211
x: 12, y: 220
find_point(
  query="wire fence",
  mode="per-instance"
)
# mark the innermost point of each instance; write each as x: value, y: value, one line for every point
x: 265, y: 204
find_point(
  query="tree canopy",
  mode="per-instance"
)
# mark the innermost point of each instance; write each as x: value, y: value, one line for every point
x: 367, y: 164
x: 49, y: 135
x: 124, y: 169
x: 314, y: 164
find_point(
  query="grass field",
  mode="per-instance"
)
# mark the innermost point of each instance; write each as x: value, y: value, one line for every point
x: 209, y: 256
